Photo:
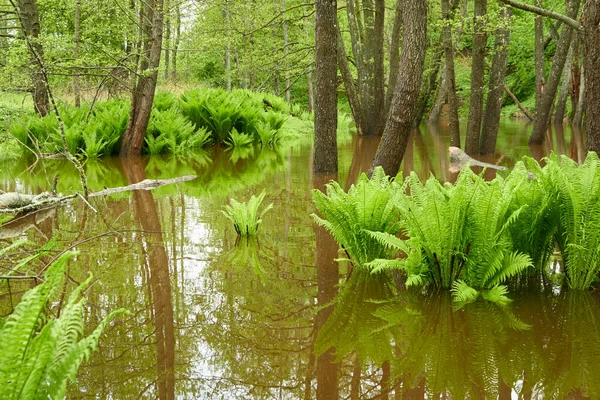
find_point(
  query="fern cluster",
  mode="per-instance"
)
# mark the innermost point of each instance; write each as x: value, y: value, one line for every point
x: 473, y: 236
x: 197, y: 119
x: 245, y: 216
x: 368, y: 206
x: 38, y: 352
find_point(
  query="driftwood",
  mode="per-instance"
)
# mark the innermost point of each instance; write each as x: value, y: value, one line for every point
x: 17, y: 203
x: 458, y: 159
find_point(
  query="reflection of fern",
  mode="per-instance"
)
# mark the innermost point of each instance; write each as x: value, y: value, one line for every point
x: 37, y: 353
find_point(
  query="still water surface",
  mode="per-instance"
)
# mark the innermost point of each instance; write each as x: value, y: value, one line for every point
x: 219, y: 318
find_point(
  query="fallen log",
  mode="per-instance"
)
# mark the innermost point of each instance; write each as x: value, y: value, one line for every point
x: 458, y: 159
x: 17, y: 203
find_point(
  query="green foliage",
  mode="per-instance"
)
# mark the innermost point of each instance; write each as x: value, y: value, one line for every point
x: 368, y: 206
x: 245, y: 216
x: 38, y: 353
x: 237, y: 140
x: 577, y: 188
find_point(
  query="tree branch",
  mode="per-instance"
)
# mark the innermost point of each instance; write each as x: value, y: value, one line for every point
x: 546, y: 13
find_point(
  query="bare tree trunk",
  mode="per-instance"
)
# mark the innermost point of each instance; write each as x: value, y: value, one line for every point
x: 545, y: 107
x: 177, y: 39
x: 143, y: 91
x: 430, y: 82
x: 440, y: 100
x: 351, y: 92
x: 561, y: 104
x: 311, y: 94
x: 31, y: 29
x: 578, y: 116
x: 477, y: 78
x: 394, y: 56
x: 448, y: 17
x: 288, y: 93
x: 491, y: 119
x: 167, y: 40
x: 540, y: 73
x: 410, y: 72
x: 76, y: 23
x: 591, y: 67
x: 325, y: 147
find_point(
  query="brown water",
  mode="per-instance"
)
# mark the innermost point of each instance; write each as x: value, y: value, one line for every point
x: 215, y: 318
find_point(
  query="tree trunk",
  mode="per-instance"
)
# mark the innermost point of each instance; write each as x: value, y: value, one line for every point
x: 325, y: 147
x: 143, y: 91
x: 491, y: 119
x: 351, y: 92
x: 177, y: 38
x: 440, y: 100
x: 430, y: 82
x: 76, y: 23
x: 540, y: 73
x: 561, y: 104
x: 366, y: 33
x: 311, y: 94
x: 288, y: 92
x: 410, y: 72
x: 591, y: 67
x: 394, y: 56
x: 477, y: 78
x: 31, y: 25
x: 547, y: 101
x: 448, y: 17
x: 578, y: 116
x: 167, y: 41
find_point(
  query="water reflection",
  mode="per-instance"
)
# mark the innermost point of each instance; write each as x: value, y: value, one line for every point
x: 155, y: 264
x: 216, y: 317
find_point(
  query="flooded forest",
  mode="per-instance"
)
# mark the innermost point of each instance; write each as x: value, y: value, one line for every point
x: 338, y: 199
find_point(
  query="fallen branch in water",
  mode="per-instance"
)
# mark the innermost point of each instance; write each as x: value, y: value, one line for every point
x: 458, y: 159
x: 17, y: 203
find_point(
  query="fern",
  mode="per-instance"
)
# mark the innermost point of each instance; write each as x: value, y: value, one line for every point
x: 245, y: 216
x: 351, y: 217
x: 38, y: 354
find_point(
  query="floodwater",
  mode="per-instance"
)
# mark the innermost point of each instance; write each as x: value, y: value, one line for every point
x: 212, y: 317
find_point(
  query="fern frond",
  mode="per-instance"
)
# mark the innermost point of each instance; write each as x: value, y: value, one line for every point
x: 462, y: 293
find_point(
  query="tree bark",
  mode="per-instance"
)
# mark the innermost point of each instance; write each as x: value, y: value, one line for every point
x: 311, y: 94
x: 167, y: 41
x: 477, y: 78
x: 562, y: 48
x: 578, y: 116
x: 440, y: 100
x: 591, y: 67
x: 30, y: 20
x: 394, y: 55
x: 448, y: 17
x: 561, y: 104
x: 410, y: 72
x: 325, y: 147
x: 76, y: 23
x: 288, y: 92
x: 540, y: 73
x: 491, y: 119
x: 143, y: 91
x: 177, y: 39
x: 351, y: 92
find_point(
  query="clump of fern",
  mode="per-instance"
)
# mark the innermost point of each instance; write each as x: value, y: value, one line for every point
x: 39, y: 352
x: 368, y: 206
x: 237, y: 139
x: 245, y: 216
x: 457, y: 237
x: 577, y: 188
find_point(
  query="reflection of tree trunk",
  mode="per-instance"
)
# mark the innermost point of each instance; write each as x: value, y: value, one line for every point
x: 147, y: 217
x: 327, y: 280
x: 364, y: 150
